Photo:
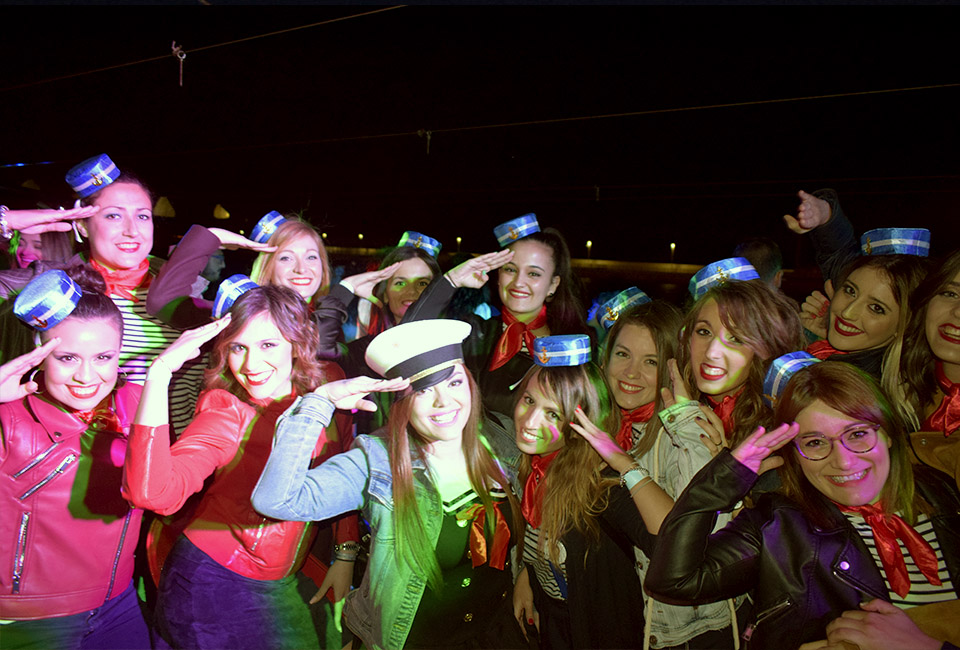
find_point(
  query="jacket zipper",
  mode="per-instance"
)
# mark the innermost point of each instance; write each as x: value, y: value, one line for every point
x: 116, y: 559
x: 21, y: 552
x: 765, y: 614
x: 37, y: 459
x: 49, y: 477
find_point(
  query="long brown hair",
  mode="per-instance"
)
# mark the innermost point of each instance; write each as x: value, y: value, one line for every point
x: 575, y: 491
x: 767, y: 322
x: 663, y: 321
x: 854, y: 393
x: 903, y: 274
x: 290, y: 314
x: 381, y: 317
x: 265, y: 264
x: 404, y: 443
x: 917, y: 363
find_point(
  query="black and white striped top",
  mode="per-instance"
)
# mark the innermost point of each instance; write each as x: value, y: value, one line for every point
x: 921, y: 591
x: 532, y: 557
x: 144, y: 338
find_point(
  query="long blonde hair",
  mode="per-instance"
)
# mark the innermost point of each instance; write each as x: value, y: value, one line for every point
x: 574, y: 491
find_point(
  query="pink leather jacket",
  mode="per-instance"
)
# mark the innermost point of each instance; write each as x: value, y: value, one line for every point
x: 231, y: 441
x: 67, y: 535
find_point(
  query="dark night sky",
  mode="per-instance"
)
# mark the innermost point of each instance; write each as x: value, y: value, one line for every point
x: 284, y: 122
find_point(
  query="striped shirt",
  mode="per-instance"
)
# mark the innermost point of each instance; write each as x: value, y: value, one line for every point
x: 921, y: 591
x: 144, y: 338
x: 541, y: 564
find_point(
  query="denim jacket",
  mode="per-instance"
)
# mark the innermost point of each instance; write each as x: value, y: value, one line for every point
x: 382, y: 609
x: 675, y: 458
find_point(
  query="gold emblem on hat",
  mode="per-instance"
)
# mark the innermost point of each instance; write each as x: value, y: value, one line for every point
x: 868, y: 247
x: 97, y: 179
x: 418, y: 242
x: 513, y: 233
x: 612, y: 314
x: 722, y: 275
x: 41, y: 322
x: 543, y: 356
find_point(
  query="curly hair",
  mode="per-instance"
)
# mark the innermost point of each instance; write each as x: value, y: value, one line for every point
x: 264, y: 266
x: 574, y: 490
x: 291, y: 315
x: 849, y: 390
x: 663, y: 321
x: 767, y: 322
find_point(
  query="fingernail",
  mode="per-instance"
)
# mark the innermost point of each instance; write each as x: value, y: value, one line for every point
x: 703, y: 437
x: 529, y: 621
x: 353, y: 410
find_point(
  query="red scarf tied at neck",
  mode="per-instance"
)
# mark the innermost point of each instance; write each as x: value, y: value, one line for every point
x: 724, y: 410
x: 628, y: 419
x: 886, y: 530
x: 123, y: 282
x: 823, y: 350
x: 947, y: 416
x: 478, y: 540
x: 532, y: 504
x: 512, y: 339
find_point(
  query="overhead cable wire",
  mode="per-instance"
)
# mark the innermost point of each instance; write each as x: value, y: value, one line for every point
x: 202, y: 48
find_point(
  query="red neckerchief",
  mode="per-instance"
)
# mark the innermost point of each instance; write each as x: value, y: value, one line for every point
x: 947, y: 416
x: 628, y: 419
x: 886, y: 529
x: 102, y: 417
x: 123, y: 282
x: 478, y: 540
x: 512, y: 339
x: 823, y: 350
x: 532, y: 504
x: 724, y: 411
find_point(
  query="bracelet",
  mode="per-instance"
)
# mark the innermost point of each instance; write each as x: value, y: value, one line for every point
x: 632, y: 476
x: 347, y: 551
x: 5, y: 231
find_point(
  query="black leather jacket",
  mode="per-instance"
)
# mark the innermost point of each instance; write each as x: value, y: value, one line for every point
x: 802, y: 576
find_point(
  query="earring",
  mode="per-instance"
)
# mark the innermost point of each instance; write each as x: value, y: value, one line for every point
x: 121, y: 379
x: 33, y: 377
x: 549, y: 296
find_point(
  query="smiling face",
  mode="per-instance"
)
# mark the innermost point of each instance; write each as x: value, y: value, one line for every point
x: 942, y: 327
x: 720, y: 360
x: 631, y: 371
x: 298, y: 265
x: 121, y: 233
x: 864, y: 312
x: 538, y: 419
x: 405, y: 286
x: 261, y: 360
x: 845, y: 477
x: 527, y: 280
x: 83, y: 369
x: 30, y: 249
x: 441, y: 411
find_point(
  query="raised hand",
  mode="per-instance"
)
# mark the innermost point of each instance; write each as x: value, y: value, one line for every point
x: 232, y: 241
x: 32, y: 222
x: 363, y: 283
x: 348, y: 393
x: 815, y: 309
x: 474, y: 273
x: 600, y: 440
x: 12, y: 372
x: 754, y: 452
x: 713, y: 435
x: 678, y: 391
x: 811, y: 213
x: 186, y: 347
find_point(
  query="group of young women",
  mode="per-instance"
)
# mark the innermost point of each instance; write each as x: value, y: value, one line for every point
x: 530, y: 484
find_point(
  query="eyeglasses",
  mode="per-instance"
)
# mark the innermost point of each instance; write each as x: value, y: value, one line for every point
x: 818, y: 447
